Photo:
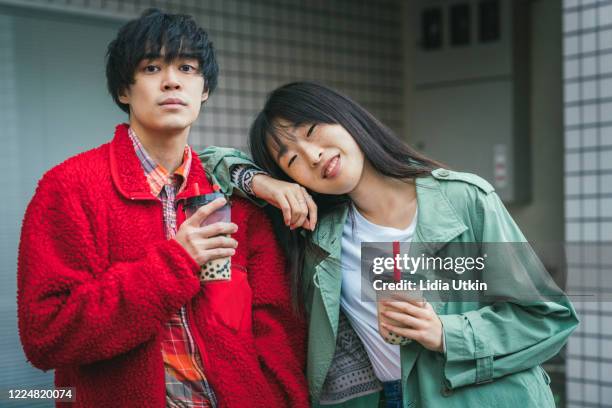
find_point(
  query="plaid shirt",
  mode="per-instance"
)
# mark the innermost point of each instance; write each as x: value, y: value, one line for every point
x: 186, y: 384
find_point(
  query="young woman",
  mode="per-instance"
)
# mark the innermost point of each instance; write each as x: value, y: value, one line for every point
x: 324, y: 153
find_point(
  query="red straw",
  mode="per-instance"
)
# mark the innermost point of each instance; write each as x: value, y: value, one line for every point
x: 396, y: 272
x: 196, y: 188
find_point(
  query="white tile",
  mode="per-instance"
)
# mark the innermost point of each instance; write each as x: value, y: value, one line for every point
x: 571, y: 68
x: 572, y: 161
x: 572, y: 185
x: 572, y: 208
x: 591, y: 347
x: 588, y: 42
x: 572, y: 115
x: 572, y: 232
x: 589, y: 161
x: 605, y: 134
x: 572, y: 138
x: 605, y: 15
x: 575, y: 390
x: 591, y: 393
x: 606, y: 325
x: 570, y: 45
x: 605, y: 160
x: 588, y: 18
x: 605, y: 207
x: 574, y: 346
x: 589, y: 113
x: 606, y: 391
x: 591, y: 370
x: 606, y: 183
x: 572, y: 92
x: 590, y: 138
x: 570, y: 3
x: 589, y: 185
x: 589, y: 207
x: 589, y: 90
x: 570, y: 21
x: 588, y: 66
x: 606, y: 231
x: 605, y: 89
x: 605, y: 39
x: 605, y: 64
x: 605, y: 112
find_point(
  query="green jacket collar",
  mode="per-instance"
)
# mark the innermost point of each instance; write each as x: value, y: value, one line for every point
x: 437, y: 222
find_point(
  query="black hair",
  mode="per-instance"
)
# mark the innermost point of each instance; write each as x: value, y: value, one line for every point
x: 143, y: 38
x: 301, y: 103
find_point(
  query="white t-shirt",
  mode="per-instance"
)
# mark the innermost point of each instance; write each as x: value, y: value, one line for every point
x: 385, y: 357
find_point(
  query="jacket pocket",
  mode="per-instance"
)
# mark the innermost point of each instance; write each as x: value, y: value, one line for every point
x: 229, y: 303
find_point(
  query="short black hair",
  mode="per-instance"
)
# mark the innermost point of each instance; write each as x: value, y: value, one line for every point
x: 178, y: 34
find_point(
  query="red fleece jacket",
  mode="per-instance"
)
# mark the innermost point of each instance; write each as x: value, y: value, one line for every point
x: 97, y: 280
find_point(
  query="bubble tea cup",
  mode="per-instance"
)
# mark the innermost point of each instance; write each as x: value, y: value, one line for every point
x: 216, y: 269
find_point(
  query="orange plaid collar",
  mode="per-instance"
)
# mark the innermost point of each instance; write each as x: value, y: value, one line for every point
x: 157, y: 175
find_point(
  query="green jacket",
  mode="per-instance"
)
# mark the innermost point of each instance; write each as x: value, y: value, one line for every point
x: 493, y: 351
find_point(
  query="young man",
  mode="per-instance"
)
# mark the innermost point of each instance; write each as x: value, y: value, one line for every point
x: 108, y: 287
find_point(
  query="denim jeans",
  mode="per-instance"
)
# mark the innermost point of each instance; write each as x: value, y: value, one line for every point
x: 392, y: 391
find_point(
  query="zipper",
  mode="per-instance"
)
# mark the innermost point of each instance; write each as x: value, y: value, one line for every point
x: 196, y: 336
x: 199, y: 343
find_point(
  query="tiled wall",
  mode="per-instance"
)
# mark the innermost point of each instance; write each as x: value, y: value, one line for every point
x: 588, y: 192
x: 352, y: 45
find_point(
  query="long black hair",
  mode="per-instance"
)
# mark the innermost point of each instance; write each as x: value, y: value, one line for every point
x: 301, y: 103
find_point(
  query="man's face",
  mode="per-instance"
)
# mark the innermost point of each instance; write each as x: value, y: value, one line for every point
x: 165, y: 96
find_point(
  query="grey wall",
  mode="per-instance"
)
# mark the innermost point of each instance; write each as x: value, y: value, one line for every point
x: 542, y: 218
x: 587, y: 56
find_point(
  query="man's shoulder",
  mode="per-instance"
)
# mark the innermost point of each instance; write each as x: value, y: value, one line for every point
x: 82, y: 168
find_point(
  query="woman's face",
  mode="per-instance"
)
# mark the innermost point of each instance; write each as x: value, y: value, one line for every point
x: 321, y: 157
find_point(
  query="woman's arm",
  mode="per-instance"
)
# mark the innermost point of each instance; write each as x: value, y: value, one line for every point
x: 226, y: 166
x: 507, y: 336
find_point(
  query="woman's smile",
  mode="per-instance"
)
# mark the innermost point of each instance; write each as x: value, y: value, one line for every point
x: 332, y: 167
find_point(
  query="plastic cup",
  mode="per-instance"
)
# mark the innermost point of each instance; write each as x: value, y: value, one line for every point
x: 388, y: 336
x: 217, y: 269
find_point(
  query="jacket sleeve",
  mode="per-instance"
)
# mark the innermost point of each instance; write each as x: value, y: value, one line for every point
x: 74, y: 307
x: 279, y: 332
x: 219, y: 161
x: 510, y: 336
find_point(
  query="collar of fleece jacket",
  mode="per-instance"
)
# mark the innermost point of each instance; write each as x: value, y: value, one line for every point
x: 131, y: 181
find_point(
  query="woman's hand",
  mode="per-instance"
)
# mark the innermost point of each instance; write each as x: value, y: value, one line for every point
x: 419, y: 323
x: 298, y: 207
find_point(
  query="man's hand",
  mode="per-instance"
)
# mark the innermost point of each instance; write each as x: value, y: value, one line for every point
x: 418, y: 320
x: 211, y: 241
x: 298, y: 207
